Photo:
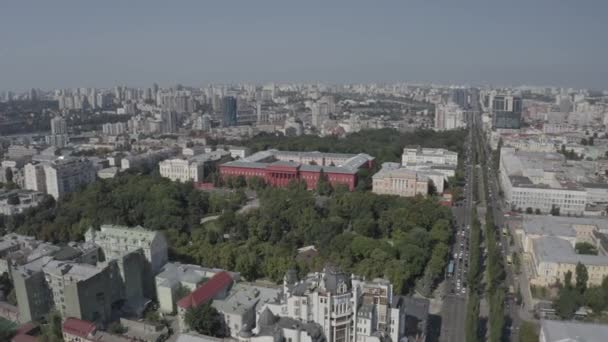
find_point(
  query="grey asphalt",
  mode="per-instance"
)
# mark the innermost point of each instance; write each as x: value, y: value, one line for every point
x: 453, y: 310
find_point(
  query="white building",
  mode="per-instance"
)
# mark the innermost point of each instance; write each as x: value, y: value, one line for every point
x: 182, y: 170
x: 190, y: 169
x: 341, y: 306
x: 449, y: 116
x: 35, y: 179
x: 538, y: 181
x: 422, y: 155
x: 117, y: 128
x: 400, y: 181
x: 115, y: 241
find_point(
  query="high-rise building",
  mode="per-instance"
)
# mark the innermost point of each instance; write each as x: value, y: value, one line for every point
x: 229, y: 109
x: 506, y: 110
x: 448, y: 116
x: 116, y: 128
x: 35, y: 178
x: 59, y: 125
x: 460, y: 97
x: 59, y: 133
x: 169, y: 119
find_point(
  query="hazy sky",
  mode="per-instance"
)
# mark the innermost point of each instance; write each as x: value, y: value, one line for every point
x: 61, y: 43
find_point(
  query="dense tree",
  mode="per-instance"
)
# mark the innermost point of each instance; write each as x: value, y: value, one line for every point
x: 206, y: 320
x: 582, y: 276
x: 595, y: 298
x: 568, y: 280
x: 585, y: 248
x: 8, y: 175
x: 402, y: 239
x: 116, y: 328
x: 384, y: 144
x: 323, y: 185
x: 566, y: 303
x: 528, y: 332
x: 181, y: 291
x: 472, y: 319
x: 52, y: 330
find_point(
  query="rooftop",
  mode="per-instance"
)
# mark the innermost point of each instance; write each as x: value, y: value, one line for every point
x: 558, y: 225
x: 78, y: 327
x: 175, y: 272
x: 138, y: 232
x: 554, y: 249
x: 243, y: 297
x: 562, y: 331
x: 207, y: 291
x: 74, y: 270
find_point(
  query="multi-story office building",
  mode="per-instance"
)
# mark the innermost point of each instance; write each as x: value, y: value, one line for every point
x: 537, y: 180
x: 506, y: 111
x: 68, y: 175
x: 422, y: 155
x: 460, y: 97
x: 229, y: 108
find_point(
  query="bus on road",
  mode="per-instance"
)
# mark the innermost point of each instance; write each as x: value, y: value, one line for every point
x: 451, y: 268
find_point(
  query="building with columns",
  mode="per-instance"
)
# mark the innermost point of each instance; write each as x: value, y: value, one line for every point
x: 278, y: 168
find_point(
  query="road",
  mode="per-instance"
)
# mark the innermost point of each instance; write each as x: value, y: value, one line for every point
x: 455, y: 302
x: 511, y: 280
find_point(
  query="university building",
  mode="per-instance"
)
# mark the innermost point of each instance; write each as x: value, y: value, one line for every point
x: 278, y: 168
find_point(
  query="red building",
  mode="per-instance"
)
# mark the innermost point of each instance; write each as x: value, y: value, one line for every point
x: 280, y: 173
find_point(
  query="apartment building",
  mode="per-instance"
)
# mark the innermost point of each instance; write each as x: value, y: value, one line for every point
x: 113, y: 268
x: 61, y: 176
x: 80, y: 290
x: 117, y: 240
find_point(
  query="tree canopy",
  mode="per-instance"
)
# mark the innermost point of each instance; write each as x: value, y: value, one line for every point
x: 206, y: 320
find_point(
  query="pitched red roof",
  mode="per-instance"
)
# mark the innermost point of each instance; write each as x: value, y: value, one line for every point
x: 78, y: 327
x: 207, y: 291
x: 25, y: 328
x: 24, y: 338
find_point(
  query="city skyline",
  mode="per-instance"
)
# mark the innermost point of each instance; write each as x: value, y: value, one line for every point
x: 68, y: 44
